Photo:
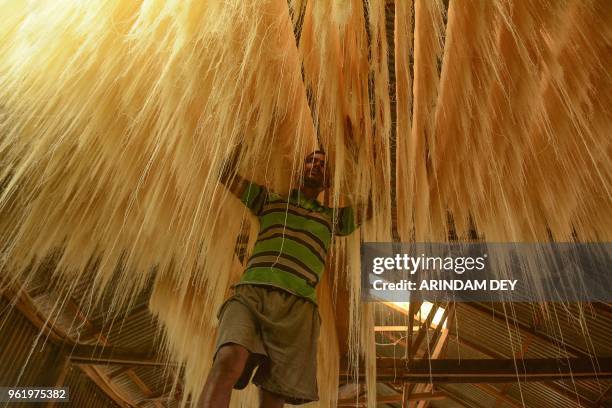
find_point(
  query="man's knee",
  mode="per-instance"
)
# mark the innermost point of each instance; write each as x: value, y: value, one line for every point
x: 230, y: 362
x: 269, y: 399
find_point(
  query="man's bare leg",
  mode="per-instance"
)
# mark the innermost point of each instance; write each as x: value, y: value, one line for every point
x: 226, y: 370
x: 268, y: 399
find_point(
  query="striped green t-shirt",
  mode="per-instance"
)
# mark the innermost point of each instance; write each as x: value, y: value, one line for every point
x: 294, y: 237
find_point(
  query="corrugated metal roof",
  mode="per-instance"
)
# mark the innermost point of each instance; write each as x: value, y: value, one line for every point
x: 469, y: 393
x: 25, y: 354
x: 84, y: 392
x: 478, y: 333
x: 28, y: 359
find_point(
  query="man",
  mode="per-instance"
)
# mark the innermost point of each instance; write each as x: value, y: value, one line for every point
x: 271, y: 321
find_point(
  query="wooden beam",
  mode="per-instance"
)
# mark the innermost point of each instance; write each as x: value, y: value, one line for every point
x: 391, y: 328
x: 439, y: 333
x: 524, y: 347
x: 461, y: 399
x: 386, y: 399
x: 167, y: 392
x: 413, y: 307
x: 433, y: 350
x: 159, y: 397
x: 551, y: 386
x: 425, y: 325
x: 104, y: 341
x: 107, y: 387
x: 406, y: 394
x: 603, y: 397
x: 121, y: 370
x: 83, y: 354
x: 24, y: 304
x: 439, y: 341
x: 99, y: 355
x: 63, y: 365
x: 143, y: 387
x: 605, y: 308
x: 489, y: 370
x: 500, y: 395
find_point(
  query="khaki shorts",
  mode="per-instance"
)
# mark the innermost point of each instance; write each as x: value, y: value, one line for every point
x: 281, y: 332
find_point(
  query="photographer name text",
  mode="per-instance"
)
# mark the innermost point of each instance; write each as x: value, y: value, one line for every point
x: 456, y: 264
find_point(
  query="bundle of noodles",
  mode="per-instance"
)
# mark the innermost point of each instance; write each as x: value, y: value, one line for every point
x: 403, y: 41
x: 117, y: 119
x: 343, y: 49
x: 515, y: 143
x: 505, y: 133
x: 413, y: 195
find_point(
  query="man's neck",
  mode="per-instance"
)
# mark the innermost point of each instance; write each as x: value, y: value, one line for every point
x: 310, y: 193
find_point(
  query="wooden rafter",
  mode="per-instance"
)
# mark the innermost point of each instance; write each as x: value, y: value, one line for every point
x: 460, y: 399
x: 79, y: 354
x: 439, y: 340
x: 382, y: 399
x: 500, y: 395
x: 490, y: 370
x: 524, y: 347
x: 553, y: 387
x: 97, y: 355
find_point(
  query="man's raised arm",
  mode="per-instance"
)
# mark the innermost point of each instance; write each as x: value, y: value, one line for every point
x: 230, y: 177
x: 350, y: 218
x: 252, y: 195
x: 364, y: 215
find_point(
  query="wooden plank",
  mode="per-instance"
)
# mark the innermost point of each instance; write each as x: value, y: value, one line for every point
x: 62, y: 371
x: 99, y: 355
x: 461, y: 399
x: 604, y: 396
x: 490, y: 370
x: 439, y: 333
x: 524, y: 347
x: 500, y: 395
x: 551, y: 386
x: 82, y: 354
x: 406, y: 394
x: 413, y: 307
x: 386, y: 399
x: 392, y: 328
x: 143, y: 387
x: 439, y: 340
x: 24, y: 304
x: 422, y: 332
x: 121, y: 370
x: 106, y: 386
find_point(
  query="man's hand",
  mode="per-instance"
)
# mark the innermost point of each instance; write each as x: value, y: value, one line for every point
x: 229, y: 176
x: 361, y: 215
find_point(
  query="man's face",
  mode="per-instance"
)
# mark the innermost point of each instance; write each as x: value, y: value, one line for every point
x: 314, y: 170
